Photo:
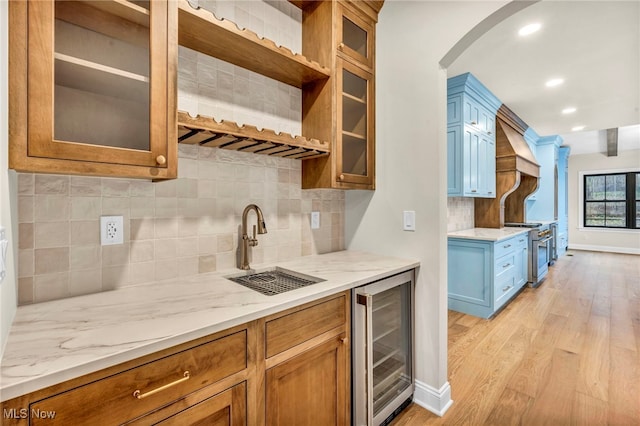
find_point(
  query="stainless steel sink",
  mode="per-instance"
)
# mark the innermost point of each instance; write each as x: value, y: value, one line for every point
x: 274, y: 281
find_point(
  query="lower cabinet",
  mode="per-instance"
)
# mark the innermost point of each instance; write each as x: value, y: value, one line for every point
x: 307, y: 376
x: 310, y: 388
x: 484, y: 275
x: 290, y: 368
x: 228, y: 408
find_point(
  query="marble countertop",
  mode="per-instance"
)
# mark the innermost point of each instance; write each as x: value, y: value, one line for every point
x: 488, y: 234
x: 59, y: 340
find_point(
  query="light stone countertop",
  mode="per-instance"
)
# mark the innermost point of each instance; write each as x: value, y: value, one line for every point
x: 488, y: 234
x: 59, y: 340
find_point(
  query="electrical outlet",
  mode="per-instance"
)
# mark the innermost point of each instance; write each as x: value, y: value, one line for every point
x: 111, y: 230
x: 315, y: 220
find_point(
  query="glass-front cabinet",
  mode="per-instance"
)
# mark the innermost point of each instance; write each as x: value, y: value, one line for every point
x: 356, y: 37
x: 355, y: 124
x: 100, y: 89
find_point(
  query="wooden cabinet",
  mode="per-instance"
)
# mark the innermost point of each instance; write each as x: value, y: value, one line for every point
x: 291, y: 367
x: 229, y: 408
x: 307, y: 366
x: 310, y: 388
x: 341, y: 110
x: 484, y: 275
x: 93, y: 87
x: 471, y: 141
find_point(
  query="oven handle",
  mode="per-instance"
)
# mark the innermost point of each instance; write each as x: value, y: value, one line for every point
x: 543, y: 242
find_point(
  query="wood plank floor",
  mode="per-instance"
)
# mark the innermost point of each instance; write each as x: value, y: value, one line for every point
x: 566, y: 353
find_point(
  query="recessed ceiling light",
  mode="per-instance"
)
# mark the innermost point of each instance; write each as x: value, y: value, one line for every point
x: 569, y: 110
x: 529, y: 29
x: 554, y: 82
x: 577, y: 128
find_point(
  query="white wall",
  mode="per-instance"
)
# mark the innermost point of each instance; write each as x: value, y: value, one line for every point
x: 621, y: 241
x: 411, y: 90
x: 7, y: 190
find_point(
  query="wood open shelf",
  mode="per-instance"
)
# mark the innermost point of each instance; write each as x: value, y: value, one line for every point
x: 200, y: 30
x: 208, y: 132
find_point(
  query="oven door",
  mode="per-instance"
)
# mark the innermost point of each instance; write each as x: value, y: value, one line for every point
x: 541, y: 254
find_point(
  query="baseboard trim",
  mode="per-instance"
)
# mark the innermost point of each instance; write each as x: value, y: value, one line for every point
x: 608, y: 249
x: 435, y: 400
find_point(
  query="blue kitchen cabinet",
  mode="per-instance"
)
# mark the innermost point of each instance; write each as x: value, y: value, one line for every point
x: 484, y: 275
x: 471, y: 146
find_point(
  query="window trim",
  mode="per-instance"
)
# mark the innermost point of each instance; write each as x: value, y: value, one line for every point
x: 630, y: 199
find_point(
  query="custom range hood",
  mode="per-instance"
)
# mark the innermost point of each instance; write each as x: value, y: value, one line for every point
x: 517, y: 174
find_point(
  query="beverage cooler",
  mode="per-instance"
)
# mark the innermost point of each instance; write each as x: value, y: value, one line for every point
x: 382, y: 354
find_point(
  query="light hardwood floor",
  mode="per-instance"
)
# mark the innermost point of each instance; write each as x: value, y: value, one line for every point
x: 566, y: 353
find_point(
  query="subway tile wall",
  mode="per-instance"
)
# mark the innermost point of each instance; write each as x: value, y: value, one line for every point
x: 460, y: 213
x: 171, y: 229
x: 189, y: 225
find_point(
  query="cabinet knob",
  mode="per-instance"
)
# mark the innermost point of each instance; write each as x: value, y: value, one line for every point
x: 341, y: 177
x: 344, y: 340
x: 341, y: 46
x: 160, y: 159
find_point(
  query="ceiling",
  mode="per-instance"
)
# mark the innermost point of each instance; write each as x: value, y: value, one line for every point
x: 593, y: 45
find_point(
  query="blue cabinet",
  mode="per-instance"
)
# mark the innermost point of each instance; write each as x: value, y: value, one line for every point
x: 484, y: 275
x: 471, y: 146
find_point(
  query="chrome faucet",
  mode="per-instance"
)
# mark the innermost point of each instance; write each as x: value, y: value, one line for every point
x: 246, y: 240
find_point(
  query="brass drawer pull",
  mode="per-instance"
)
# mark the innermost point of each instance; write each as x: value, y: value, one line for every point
x: 140, y: 395
x: 506, y: 246
x: 505, y: 289
x: 506, y: 265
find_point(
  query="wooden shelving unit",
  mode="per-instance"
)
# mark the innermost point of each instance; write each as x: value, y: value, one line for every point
x: 206, y: 131
x: 200, y: 30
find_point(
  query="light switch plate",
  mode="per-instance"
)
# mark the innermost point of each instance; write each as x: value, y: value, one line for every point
x: 315, y: 220
x: 409, y: 220
x: 111, y: 230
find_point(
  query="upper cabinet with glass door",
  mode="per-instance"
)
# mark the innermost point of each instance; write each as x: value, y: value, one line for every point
x: 93, y: 87
x: 350, y: 100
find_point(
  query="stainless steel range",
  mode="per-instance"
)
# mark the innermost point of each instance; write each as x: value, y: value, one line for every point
x: 540, y: 238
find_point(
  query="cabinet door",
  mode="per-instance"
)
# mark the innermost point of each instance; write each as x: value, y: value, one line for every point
x: 355, y: 141
x: 310, y: 388
x: 356, y: 36
x: 454, y: 161
x: 487, y: 167
x: 101, y: 83
x: 228, y: 408
x: 471, y: 161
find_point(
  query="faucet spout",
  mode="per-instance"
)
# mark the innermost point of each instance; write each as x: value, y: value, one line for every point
x: 246, y: 239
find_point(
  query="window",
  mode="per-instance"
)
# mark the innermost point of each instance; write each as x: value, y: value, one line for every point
x: 612, y: 200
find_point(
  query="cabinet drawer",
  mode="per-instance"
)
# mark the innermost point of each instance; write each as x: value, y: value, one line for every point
x: 505, y: 265
x: 292, y: 329
x: 505, y: 247
x: 505, y: 287
x: 114, y: 398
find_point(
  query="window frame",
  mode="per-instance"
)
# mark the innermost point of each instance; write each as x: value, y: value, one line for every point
x: 630, y: 199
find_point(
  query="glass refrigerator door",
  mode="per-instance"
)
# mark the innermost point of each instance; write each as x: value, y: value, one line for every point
x: 382, y: 348
x: 391, y: 345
